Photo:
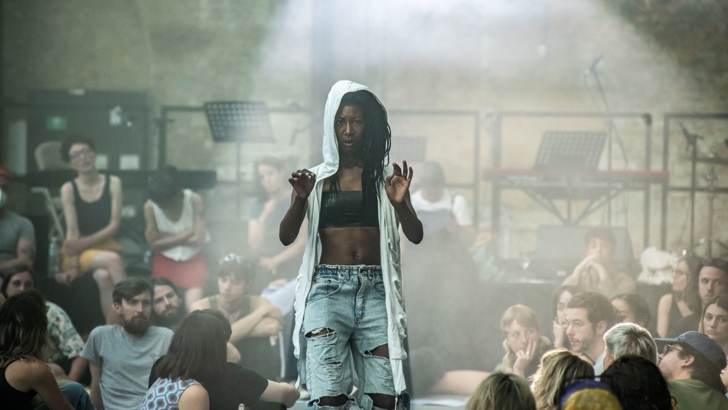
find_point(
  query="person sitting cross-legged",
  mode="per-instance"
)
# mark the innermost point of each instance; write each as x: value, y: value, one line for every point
x: 121, y: 356
x: 92, y: 209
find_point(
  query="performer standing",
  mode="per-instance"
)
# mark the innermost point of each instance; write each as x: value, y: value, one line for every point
x: 349, y: 306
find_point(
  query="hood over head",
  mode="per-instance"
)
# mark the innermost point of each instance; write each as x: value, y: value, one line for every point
x: 330, y: 149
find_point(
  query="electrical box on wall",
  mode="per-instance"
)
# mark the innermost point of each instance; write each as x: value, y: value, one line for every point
x: 118, y: 121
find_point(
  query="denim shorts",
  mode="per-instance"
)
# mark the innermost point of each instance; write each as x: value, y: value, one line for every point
x: 346, y: 307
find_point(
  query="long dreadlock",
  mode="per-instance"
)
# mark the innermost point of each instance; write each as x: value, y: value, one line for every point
x: 377, y: 140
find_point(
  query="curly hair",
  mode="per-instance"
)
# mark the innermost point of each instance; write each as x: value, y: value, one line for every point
x: 377, y: 142
x: 72, y: 139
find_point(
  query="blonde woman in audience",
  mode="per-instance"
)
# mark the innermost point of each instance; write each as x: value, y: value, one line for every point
x: 628, y: 339
x: 714, y: 324
x: 523, y: 342
x: 502, y: 391
x: 558, y: 369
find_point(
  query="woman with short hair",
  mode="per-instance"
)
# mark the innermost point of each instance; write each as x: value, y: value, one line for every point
x: 523, y: 342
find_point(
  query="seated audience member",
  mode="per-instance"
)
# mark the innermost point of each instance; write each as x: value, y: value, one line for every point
x: 440, y: 209
x: 691, y: 363
x: 638, y: 383
x: 240, y: 385
x: 523, y: 342
x: 559, y: 300
x: 597, y: 272
x: 588, y: 317
x: 557, y: 370
x: 196, y: 358
x: 92, y: 209
x: 502, y: 391
x: 23, y: 372
x: 707, y: 282
x: 676, y: 304
x: 64, y: 344
x: 714, y: 324
x: 121, y: 356
x: 167, y: 306
x: 254, y: 320
x: 176, y: 233
x: 279, y: 264
x: 589, y: 395
x: 628, y: 339
x: 17, y: 236
x: 632, y: 308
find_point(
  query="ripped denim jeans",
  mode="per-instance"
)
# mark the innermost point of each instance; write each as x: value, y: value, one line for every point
x: 344, y: 321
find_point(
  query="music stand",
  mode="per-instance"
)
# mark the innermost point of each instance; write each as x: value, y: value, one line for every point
x: 570, y: 150
x: 238, y: 122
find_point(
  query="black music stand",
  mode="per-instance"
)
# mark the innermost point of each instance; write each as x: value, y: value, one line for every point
x: 570, y: 150
x: 238, y: 122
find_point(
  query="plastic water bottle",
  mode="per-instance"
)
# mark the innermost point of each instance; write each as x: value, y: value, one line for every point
x: 54, y: 257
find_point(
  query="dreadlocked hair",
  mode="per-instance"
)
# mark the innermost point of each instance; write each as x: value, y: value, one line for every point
x: 377, y: 141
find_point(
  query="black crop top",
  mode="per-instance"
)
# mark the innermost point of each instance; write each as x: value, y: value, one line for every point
x: 93, y: 216
x: 345, y: 209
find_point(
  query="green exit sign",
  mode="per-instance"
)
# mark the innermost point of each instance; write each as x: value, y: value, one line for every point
x: 56, y: 123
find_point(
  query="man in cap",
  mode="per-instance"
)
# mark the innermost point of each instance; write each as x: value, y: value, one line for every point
x: 691, y: 363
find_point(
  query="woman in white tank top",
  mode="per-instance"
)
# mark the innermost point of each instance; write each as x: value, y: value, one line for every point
x: 176, y: 233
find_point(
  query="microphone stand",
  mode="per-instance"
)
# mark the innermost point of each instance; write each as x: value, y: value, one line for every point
x: 612, y: 126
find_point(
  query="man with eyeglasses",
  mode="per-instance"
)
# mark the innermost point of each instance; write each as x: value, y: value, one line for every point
x: 589, y: 315
x: 691, y: 364
x: 709, y: 281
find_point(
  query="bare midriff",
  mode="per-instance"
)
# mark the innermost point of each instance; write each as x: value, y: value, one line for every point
x: 350, y: 246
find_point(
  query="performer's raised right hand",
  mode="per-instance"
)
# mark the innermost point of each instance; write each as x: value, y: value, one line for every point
x: 302, y: 182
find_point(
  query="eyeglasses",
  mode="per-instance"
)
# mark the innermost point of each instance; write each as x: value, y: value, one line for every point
x: 670, y: 347
x: 78, y: 154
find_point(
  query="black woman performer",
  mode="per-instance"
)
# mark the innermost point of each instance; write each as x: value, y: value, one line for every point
x: 350, y: 321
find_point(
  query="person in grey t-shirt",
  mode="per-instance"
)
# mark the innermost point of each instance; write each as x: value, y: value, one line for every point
x: 17, y: 236
x: 121, y: 357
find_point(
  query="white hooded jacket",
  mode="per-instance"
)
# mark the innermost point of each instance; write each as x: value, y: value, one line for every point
x: 389, y: 247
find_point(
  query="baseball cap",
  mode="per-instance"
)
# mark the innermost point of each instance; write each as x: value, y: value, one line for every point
x: 709, y: 348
